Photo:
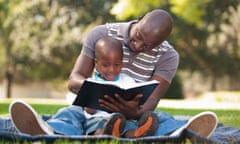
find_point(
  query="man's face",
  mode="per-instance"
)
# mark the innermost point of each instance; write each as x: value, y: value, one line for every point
x: 142, y: 38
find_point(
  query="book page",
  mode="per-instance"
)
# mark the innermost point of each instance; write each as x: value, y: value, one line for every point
x: 139, y: 84
x: 125, y: 85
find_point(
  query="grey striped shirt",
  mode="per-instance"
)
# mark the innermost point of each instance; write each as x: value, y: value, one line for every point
x: 161, y: 61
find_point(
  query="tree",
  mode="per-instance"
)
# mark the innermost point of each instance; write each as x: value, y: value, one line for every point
x: 6, y: 27
x: 44, y: 37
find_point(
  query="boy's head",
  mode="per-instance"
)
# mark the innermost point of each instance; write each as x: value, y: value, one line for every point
x: 108, y: 58
x: 150, y: 31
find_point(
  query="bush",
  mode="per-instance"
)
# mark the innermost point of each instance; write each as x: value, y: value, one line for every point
x: 175, y: 90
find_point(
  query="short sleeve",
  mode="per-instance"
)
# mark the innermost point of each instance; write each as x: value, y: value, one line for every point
x: 90, y: 41
x: 167, y: 65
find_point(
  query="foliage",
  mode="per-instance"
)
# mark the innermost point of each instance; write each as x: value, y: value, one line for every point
x: 175, y: 90
x: 46, y: 35
x: 126, y: 9
x: 191, y: 12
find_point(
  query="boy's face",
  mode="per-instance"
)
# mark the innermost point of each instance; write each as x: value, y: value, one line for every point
x: 109, y: 65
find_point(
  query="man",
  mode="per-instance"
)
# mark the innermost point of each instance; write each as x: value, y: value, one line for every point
x: 146, y: 56
x: 143, y: 39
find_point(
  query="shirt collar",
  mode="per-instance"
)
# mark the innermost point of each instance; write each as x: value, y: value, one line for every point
x: 124, y: 29
x: 97, y: 76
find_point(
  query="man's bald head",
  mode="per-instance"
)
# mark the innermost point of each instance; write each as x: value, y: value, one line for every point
x: 150, y: 31
x: 157, y: 22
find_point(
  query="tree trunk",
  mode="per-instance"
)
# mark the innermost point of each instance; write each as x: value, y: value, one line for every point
x: 10, y: 68
x: 9, y: 77
x: 213, y: 83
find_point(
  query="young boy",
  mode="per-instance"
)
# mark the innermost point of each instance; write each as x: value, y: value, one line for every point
x: 108, y: 64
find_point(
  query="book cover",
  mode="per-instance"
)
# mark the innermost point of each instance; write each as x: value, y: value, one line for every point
x: 92, y: 90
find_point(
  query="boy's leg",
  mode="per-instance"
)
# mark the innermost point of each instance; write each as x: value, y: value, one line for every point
x: 115, y: 125
x: 109, y: 125
x: 145, y: 126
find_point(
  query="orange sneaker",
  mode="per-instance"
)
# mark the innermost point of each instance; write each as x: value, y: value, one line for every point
x: 115, y: 125
x: 147, y: 125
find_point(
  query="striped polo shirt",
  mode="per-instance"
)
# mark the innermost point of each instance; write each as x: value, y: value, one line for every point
x: 162, y: 60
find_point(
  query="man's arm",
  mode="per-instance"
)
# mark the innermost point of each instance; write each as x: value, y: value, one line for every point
x: 131, y: 109
x: 158, y: 93
x: 82, y: 69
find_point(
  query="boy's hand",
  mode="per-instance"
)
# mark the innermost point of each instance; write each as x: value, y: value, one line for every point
x: 129, y: 108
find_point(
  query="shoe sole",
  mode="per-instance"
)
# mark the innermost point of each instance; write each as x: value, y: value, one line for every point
x: 147, y: 125
x: 25, y: 119
x: 203, y: 124
x: 115, y: 125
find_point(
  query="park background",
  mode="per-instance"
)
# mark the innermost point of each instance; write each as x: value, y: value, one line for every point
x: 41, y: 39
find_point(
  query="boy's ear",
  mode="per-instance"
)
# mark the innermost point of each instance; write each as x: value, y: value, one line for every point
x: 95, y: 61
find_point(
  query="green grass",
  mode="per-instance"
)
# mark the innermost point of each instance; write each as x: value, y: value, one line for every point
x: 40, y: 108
x: 226, y: 117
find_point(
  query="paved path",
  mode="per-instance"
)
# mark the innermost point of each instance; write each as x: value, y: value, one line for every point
x: 198, y: 104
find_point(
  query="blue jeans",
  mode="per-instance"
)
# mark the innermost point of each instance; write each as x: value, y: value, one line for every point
x: 68, y: 121
x: 71, y: 121
x: 6, y: 125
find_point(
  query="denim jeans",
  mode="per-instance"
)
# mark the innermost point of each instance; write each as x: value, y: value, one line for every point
x: 6, y: 125
x: 68, y: 121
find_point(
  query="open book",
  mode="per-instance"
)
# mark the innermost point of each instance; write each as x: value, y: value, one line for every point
x: 92, y: 90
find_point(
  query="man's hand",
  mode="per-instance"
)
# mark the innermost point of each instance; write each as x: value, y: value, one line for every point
x: 129, y: 108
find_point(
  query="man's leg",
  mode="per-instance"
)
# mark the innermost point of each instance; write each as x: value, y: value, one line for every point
x: 6, y: 125
x: 203, y: 124
x: 167, y: 123
x: 67, y: 121
x: 26, y: 120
